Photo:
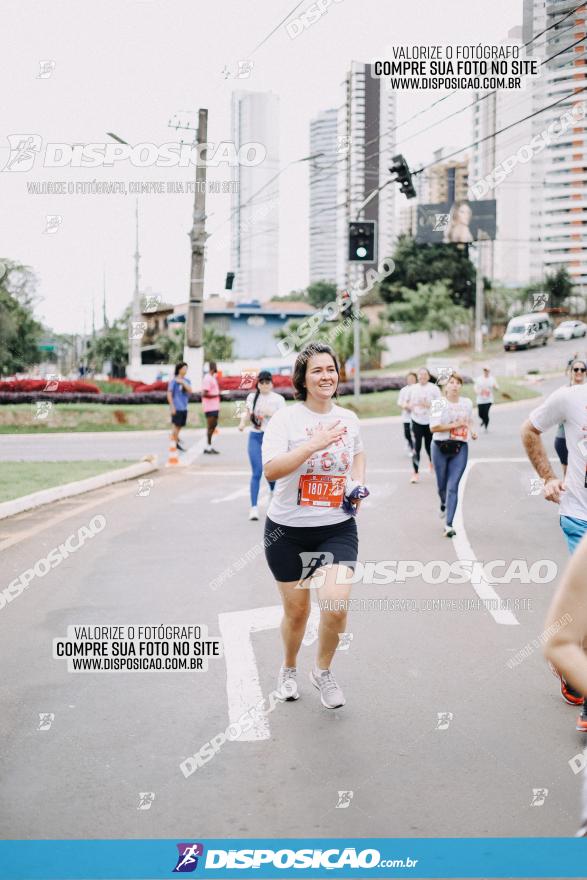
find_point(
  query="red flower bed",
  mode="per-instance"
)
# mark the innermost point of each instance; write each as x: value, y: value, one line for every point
x: 232, y: 383
x: 154, y: 386
x: 132, y: 383
x: 226, y: 383
x: 58, y: 386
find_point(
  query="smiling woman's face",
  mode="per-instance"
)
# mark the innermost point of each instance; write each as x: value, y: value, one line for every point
x: 321, y: 377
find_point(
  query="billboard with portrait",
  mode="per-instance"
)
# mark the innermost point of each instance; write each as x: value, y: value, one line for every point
x: 460, y: 223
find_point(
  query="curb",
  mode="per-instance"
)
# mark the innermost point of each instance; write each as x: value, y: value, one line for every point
x: 68, y: 490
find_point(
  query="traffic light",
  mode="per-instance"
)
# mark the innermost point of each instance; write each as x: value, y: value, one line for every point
x: 362, y: 241
x: 229, y: 280
x: 403, y: 176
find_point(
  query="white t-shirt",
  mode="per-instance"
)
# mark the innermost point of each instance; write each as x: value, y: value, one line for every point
x: 484, y: 386
x: 443, y: 413
x: 289, y: 428
x: 420, y: 398
x: 569, y: 405
x: 402, y: 399
x: 266, y: 406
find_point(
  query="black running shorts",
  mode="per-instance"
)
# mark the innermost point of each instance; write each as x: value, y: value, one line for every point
x: 325, y: 544
x: 180, y: 418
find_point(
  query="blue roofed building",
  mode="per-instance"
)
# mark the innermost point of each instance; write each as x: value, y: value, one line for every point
x: 252, y: 325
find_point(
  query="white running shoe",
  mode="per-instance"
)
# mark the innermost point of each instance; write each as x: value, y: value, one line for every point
x: 330, y: 694
x: 287, y: 685
x: 449, y: 532
x: 254, y: 514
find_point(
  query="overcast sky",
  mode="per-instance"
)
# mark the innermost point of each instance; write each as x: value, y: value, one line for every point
x: 129, y: 67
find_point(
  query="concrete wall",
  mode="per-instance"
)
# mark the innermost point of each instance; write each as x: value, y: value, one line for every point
x: 403, y: 346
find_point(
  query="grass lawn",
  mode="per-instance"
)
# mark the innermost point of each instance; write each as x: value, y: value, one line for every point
x: 460, y: 353
x: 18, y: 418
x: 23, y: 477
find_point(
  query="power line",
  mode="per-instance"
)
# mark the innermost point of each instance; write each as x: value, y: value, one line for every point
x: 505, y: 128
x: 276, y: 28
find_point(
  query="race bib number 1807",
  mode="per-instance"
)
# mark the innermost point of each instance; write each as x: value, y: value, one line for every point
x: 319, y: 490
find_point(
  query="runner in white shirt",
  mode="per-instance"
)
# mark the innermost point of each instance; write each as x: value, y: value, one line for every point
x: 402, y: 400
x: 260, y: 405
x: 313, y: 450
x: 418, y: 403
x: 484, y: 387
x: 451, y: 421
x: 566, y: 406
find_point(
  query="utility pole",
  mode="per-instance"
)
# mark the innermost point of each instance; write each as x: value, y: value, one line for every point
x: 135, y: 344
x: 194, y: 341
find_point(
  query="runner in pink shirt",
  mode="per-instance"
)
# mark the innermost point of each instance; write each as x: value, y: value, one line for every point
x: 211, y: 404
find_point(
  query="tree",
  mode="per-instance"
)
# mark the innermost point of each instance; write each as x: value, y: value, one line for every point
x: 340, y: 336
x: 20, y: 332
x: 429, y: 307
x: 171, y: 344
x: 111, y: 345
x: 295, y: 295
x: 217, y: 346
x: 320, y: 293
x: 426, y: 264
x: 559, y: 287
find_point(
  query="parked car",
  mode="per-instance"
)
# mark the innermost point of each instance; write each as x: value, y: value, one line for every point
x: 570, y: 329
x: 527, y: 330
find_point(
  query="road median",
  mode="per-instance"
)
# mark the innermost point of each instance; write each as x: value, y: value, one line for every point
x: 79, y: 487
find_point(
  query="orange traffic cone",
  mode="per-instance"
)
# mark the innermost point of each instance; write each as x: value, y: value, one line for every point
x: 172, y: 459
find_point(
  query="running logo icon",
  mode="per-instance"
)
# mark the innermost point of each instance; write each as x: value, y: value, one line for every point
x: 23, y: 151
x: 539, y: 795
x: 311, y: 562
x: 187, y: 859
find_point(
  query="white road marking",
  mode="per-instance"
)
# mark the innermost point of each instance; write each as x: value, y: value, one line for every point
x: 243, y: 688
x: 464, y: 550
x: 239, y: 493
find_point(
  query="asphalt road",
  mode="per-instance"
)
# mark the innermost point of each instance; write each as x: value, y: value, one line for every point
x: 503, y: 734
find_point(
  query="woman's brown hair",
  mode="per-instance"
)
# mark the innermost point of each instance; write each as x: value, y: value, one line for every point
x: 301, y: 365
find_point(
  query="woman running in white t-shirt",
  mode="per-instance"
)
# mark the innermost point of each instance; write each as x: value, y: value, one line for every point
x: 313, y: 450
x: 450, y: 422
x: 260, y: 405
x: 418, y: 402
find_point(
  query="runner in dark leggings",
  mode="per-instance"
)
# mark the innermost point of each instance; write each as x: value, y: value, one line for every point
x: 420, y: 398
x: 451, y: 422
x: 402, y: 399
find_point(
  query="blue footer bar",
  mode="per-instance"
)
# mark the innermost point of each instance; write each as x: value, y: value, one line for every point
x: 292, y: 857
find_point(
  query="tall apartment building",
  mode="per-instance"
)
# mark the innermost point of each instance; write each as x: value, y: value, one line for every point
x: 448, y: 181
x: 514, y: 259
x: 255, y: 218
x: 564, y: 212
x: 366, y: 132
x: 323, y: 193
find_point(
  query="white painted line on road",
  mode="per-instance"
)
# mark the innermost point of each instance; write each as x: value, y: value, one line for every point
x: 243, y: 688
x: 464, y: 550
x: 194, y: 452
x: 240, y: 493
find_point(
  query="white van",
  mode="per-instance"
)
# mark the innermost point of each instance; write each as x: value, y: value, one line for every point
x: 527, y: 330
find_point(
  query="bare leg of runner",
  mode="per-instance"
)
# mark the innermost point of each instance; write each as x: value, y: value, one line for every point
x: 296, y: 610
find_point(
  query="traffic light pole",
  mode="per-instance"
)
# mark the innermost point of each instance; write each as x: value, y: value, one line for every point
x: 194, y: 351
